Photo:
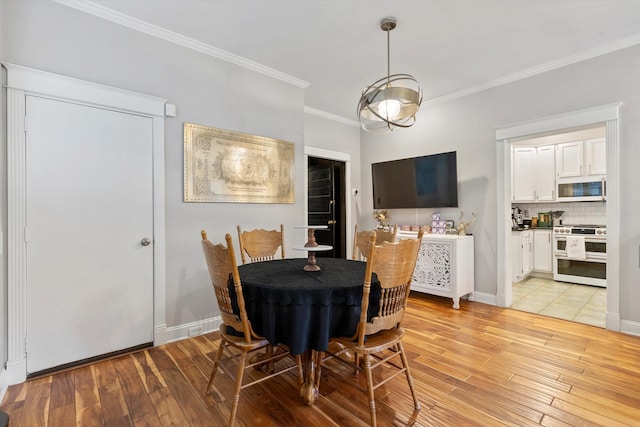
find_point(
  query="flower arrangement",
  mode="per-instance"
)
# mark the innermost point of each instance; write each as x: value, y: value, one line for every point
x: 381, y: 216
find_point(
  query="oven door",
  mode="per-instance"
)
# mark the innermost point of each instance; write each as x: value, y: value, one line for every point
x: 584, y: 271
x: 594, y: 248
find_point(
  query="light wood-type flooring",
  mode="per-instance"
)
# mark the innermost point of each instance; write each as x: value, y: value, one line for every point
x: 477, y: 366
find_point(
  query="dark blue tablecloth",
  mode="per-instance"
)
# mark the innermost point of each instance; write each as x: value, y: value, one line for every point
x: 304, y: 309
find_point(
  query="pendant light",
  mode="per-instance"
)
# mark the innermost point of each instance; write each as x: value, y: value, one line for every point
x: 392, y: 101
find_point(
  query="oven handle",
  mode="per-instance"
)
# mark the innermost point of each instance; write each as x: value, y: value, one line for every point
x: 590, y: 258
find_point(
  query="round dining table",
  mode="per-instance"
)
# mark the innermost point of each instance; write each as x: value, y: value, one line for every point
x: 305, y: 309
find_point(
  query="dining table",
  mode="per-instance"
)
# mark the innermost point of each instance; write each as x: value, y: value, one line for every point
x: 302, y: 309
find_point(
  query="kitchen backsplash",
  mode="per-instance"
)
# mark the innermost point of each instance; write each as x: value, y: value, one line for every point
x: 575, y: 213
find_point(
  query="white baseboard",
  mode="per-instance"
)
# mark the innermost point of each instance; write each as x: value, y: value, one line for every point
x: 630, y: 327
x: 186, y: 330
x: 4, y: 384
x: 16, y: 371
x: 485, y: 298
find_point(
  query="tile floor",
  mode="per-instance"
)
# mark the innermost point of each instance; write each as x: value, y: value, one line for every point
x: 580, y: 303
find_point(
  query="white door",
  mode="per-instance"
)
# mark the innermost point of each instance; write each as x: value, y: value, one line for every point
x: 89, y: 205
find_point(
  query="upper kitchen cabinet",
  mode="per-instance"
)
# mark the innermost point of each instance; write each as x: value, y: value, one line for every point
x: 570, y: 159
x: 596, y: 156
x: 582, y: 169
x: 533, y: 174
x: 523, y: 174
x: 545, y: 174
x: 574, y: 162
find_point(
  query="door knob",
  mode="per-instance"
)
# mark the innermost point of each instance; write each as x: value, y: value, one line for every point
x: 145, y: 242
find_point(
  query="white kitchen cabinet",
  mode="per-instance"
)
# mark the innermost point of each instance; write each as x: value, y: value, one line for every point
x: 445, y: 267
x: 533, y: 174
x: 522, y: 247
x: 542, y: 251
x: 570, y: 159
x: 596, y: 156
x: 545, y: 174
x: 523, y: 173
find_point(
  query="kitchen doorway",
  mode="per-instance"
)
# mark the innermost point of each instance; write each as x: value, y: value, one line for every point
x: 550, y: 282
x: 607, y: 116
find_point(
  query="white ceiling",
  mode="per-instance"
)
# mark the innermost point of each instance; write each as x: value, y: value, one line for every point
x: 452, y: 47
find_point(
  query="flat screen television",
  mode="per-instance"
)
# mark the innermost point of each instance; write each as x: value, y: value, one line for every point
x: 418, y: 182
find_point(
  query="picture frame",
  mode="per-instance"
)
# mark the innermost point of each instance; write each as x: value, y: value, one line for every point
x: 233, y: 167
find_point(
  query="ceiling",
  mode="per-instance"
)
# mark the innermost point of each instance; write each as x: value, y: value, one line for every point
x: 452, y: 47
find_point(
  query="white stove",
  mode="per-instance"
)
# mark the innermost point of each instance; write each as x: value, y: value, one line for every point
x: 587, y: 266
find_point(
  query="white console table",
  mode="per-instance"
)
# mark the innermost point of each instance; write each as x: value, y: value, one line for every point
x: 445, y: 266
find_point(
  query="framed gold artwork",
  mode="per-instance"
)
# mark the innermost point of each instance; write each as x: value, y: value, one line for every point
x: 235, y: 167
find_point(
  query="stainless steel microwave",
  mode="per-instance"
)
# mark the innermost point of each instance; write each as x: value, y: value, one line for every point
x: 582, y: 189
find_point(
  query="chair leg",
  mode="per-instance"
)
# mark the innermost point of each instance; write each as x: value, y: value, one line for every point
x: 271, y: 366
x: 236, y: 393
x: 372, y: 401
x: 356, y: 363
x: 216, y: 363
x: 405, y: 364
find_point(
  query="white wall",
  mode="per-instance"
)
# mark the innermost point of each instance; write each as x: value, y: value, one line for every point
x: 206, y: 91
x: 468, y: 125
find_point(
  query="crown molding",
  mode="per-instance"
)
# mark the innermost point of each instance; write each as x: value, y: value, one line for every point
x: 329, y: 116
x: 172, y: 37
x: 543, y: 68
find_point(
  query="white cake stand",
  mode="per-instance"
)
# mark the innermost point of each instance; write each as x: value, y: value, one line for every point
x: 312, y: 247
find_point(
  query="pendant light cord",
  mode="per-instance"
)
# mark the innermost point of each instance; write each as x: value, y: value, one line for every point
x: 388, y: 58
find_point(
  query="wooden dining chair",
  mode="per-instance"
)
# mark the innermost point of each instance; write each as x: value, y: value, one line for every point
x: 361, y: 241
x: 379, y: 339
x: 221, y: 263
x: 260, y: 245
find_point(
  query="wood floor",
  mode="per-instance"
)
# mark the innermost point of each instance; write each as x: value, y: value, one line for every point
x: 477, y: 366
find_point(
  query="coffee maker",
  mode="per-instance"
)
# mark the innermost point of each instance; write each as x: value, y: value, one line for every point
x: 517, y: 219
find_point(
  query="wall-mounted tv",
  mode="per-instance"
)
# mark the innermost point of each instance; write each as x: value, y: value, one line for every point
x: 418, y: 182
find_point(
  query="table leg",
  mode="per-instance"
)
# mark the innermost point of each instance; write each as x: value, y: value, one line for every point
x: 309, y: 390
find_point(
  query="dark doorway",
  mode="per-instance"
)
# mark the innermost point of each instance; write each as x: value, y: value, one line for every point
x: 326, y: 204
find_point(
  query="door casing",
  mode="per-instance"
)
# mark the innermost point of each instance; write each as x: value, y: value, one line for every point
x: 323, y: 153
x: 23, y: 81
x: 609, y: 115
